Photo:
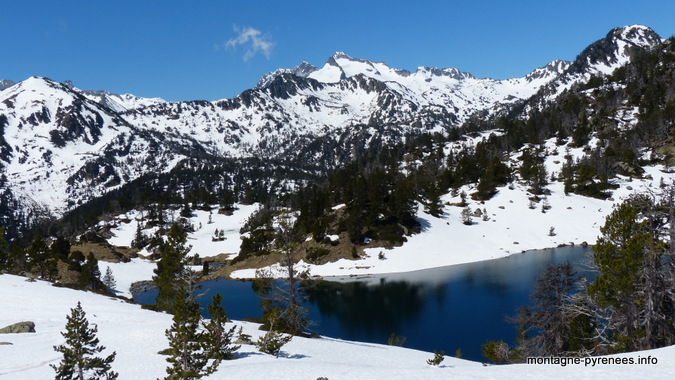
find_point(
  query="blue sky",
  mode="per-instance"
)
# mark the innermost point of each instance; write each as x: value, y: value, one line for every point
x: 185, y: 50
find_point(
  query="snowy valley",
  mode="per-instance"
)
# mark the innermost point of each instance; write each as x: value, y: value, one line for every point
x: 352, y: 170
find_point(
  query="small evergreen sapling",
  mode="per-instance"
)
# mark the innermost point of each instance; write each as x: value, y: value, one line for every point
x: 218, y: 339
x: 272, y: 341
x: 437, y: 359
x: 497, y: 352
x: 109, y: 280
x: 4, y: 257
x: 79, y: 360
x: 396, y: 340
x: 466, y: 216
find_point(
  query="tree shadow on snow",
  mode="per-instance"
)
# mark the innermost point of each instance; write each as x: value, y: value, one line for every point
x: 295, y: 356
x: 424, y: 224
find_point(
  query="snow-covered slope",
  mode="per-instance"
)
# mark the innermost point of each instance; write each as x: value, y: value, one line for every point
x: 600, y: 58
x: 137, y: 336
x: 459, y: 93
x: 302, y: 70
x: 50, y: 132
x: 59, y: 148
x: 508, y: 223
x: 123, y: 102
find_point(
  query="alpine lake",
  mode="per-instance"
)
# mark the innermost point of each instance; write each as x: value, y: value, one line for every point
x: 447, y: 308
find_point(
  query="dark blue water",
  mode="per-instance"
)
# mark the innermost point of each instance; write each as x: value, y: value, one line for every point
x: 458, y: 307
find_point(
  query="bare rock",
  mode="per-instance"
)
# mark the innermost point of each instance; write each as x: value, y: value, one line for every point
x: 18, y: 328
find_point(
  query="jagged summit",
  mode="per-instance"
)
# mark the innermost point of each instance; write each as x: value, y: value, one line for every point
x: 6, y: 83
x: 607, y: 54
x: 552, y: 69
x: 639, y: 35
x: 302, y: 70
x: 35, y: 87
x: 341, y: 66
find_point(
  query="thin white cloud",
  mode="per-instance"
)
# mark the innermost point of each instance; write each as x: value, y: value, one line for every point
x: 254, y: 41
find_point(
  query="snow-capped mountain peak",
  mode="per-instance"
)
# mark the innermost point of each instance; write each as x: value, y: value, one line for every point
x: 61, y: 146
x: 550, y: 71
x: 639, y: 35
x: 121, y: 102
x: 609, y: 53
x: 303, y: 70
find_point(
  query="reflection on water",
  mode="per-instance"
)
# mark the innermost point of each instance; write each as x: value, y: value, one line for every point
x: 437, y: 309
x: 365, y: 310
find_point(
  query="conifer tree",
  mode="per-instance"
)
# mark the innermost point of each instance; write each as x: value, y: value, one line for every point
x: 80, y: 350
x: 186, y: 212
x: 218, y: 339
x: 109, y: 280
x: 545, y: 326
x: 283, y: 305
x: 60, y: 248
x: 140, y: 240
x: 631, y: 280
x: 38, y: 255
x: 466, y: 216
x: 188, y: 353
x: 16, y: 260
x: 170, y: 267
x: 91, y: 275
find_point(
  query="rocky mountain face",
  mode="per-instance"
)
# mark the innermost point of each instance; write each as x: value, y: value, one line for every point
x: 600, y: 58
x: 61, y: 146
x: 4, y: 83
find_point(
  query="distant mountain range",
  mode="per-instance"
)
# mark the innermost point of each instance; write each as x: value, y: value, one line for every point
x: 61, y: 146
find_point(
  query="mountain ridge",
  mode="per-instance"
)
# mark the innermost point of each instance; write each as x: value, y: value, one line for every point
x: 62, y: 146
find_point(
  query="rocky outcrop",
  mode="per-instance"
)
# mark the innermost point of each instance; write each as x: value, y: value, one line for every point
x: 18, y: 328
x: 139, y: 287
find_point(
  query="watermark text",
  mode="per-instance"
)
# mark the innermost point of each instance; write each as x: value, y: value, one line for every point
x: 592, y: 361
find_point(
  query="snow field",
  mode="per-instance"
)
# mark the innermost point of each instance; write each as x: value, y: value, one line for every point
x: 137, y: 335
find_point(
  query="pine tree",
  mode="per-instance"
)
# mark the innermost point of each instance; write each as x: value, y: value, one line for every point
x: 170, y: 267
x: 188, y: 352
x: 79, y: 360
x: 437, y: 359
x: 109, y: 280
x: 60, y: 248
x: 466, y: 216
x: 17, y: 260
x: 272, y: 341
x: 283, y: 305
x: 218, y: 339
x: 140, y: 240
x: 632, y: 280
x: 39, y: 255
x: 545, y: 326
x: 186, y: 212
x: 91, y: 275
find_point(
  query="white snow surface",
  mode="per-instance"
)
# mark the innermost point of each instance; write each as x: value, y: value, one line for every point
x: 201, y: 242
x: 39, y: 171
x: 137, y: 335
x: 121, y: 102
x: 511, y: 227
